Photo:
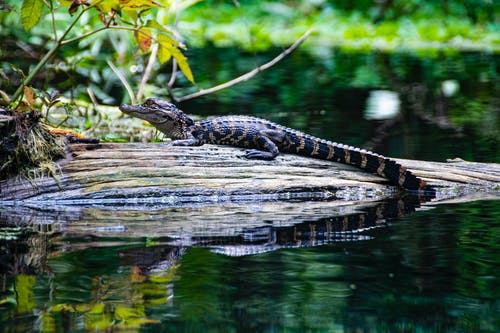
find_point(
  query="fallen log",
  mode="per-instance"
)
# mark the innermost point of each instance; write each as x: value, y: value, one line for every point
x: 212, y: 197
x: 133, y: 173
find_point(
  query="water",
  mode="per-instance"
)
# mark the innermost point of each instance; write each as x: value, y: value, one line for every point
x: 432, y: 108
x: 432, y: 270
x: 292, y: 265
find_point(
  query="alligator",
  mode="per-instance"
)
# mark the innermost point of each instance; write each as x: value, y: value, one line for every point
x: 266, y: 139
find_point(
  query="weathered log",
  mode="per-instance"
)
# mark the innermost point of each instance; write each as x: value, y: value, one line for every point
x: 213, y: 197
x: 156, y: 173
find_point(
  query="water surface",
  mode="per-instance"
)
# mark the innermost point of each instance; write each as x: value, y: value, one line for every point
x: 285, y: 265
x: 432, y: 270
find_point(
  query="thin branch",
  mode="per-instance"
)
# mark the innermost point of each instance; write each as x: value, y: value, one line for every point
x: 90, y: 33
x: 53, y: 18
x: 123, y: 81
x: 173, y: 77
x: 250, y: 74
x: 46, y: 58
x: 147, y: 71
x: 173, y: 74
x: 77, y: 38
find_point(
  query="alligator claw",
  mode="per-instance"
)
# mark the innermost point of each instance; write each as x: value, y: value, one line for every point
x: 258, y: 154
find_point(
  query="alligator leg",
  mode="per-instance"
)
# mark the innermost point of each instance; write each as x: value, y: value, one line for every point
x: 269, y: 150
x: 186, y: 142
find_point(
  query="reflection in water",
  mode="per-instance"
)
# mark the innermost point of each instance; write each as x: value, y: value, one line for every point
x: 382, y: 104
x: 374, y: 267
x: 227, y: 229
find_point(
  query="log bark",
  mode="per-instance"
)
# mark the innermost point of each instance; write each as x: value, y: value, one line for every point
x: 211, y: 196
x: 112, y: 173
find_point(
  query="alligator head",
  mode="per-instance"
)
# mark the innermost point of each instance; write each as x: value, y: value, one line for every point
x: 165, y: 116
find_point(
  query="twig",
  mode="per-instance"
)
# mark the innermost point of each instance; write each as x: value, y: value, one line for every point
x: 147, y: 71
x: 123, y: 81
x: 46, y: 58
x: 53, y: 18
x: 90, y: 33
x: 173, y: 77
x: 250, y: 74
x: 173, y: 74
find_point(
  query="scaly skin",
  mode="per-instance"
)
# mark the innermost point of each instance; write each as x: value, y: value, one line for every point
x: 265, y: 140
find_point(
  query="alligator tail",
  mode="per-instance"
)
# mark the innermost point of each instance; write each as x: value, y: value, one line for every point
x: 371, y: 162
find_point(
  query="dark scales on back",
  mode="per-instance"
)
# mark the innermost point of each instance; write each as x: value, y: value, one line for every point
x: 265, y: 140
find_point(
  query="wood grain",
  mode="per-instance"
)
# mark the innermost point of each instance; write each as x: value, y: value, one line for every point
x: 141, y: 173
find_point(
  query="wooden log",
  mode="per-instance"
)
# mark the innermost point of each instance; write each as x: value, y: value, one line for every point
x: 112, y: 173
x: 211, y: 196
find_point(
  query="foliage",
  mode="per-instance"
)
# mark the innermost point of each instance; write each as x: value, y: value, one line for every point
x: 365, y: 24
x: 419, y: 53
x: 355, y: 25
x: 113, y: 15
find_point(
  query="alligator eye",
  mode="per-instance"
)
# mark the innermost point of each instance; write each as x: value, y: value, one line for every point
x: 150, y: 102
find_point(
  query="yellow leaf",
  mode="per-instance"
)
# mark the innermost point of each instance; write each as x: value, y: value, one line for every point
x: 183, y: 63
x: 136, y: 323
x: 166, y: 46
x: 126, y: 313
x: 100, y: 322
x: 105, y: 6
x: 144, y: 37
x: 164, y: 54
x: 97, y: 308
x: 141, y: 4
x: 62, y: 307
x: 84, y: 307
x: 48, y: 322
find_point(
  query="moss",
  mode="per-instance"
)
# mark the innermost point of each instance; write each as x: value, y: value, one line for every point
x: 26, y: 146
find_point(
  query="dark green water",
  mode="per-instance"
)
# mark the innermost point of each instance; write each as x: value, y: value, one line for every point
x: 433, y: 270
x: 448, y: 103
x: 294, y: 266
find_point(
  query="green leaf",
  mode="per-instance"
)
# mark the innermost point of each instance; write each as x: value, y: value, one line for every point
x: 155, y: 25
x: 183, y: 63
x: 31, y: 11
x: 168, y: 49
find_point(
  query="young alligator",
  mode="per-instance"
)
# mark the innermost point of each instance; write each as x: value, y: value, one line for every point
x: 265, y: 140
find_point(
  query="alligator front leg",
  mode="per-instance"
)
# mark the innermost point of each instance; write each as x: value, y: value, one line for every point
x: 186, y: 142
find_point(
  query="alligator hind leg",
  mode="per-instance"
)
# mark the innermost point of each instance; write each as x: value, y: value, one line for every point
x: 269, y: 149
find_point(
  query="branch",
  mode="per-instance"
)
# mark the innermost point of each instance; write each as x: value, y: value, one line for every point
x: 90, y: 33
x: 147, y: 71
x: 250, y: 74
x: 173, y: 76
x: 123, y: 81
x: 46, y: 58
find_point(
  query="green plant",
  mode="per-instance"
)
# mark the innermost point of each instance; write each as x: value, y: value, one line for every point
x: 136, y: 16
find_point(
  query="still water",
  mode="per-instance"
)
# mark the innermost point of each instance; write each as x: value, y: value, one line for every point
x: 433, y: 270
x: 297, y: 266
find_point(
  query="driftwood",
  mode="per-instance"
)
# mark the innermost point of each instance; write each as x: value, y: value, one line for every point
x: 157, y: 173
x: 212, y: 197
